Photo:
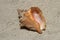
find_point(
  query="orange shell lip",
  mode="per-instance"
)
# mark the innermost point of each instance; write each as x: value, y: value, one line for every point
x: 38, y: 17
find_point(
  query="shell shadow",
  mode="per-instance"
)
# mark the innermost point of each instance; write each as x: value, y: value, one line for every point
x: 24, y: 27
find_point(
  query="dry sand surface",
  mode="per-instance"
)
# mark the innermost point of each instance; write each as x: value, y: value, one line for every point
x: 9, y: 23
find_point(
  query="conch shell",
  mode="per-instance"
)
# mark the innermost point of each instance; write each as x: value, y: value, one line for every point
x: 33, y: 19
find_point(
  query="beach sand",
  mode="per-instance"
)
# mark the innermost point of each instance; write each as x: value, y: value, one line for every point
x: 9, y: 22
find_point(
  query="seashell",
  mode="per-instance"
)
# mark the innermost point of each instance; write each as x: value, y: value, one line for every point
x: 33, y: 19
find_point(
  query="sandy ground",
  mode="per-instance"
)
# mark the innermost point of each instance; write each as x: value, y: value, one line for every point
x: 9, y: 23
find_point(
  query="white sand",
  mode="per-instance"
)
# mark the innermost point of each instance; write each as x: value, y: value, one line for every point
x: 9, y: 23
